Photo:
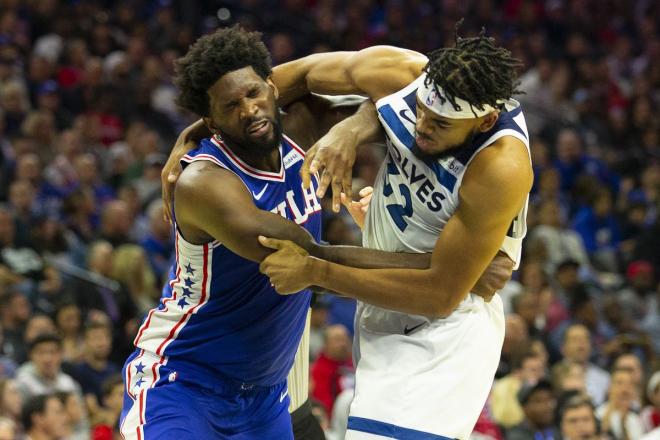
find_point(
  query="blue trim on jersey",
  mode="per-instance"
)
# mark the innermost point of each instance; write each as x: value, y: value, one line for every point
x: 411, y: 100
x: 505, y: 121
x: 446, y: 179
x: 393, y: 121
x: 388, y: 430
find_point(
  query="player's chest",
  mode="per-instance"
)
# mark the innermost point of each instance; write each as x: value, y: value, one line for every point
x: 418, y: 193
x: 287, y: 198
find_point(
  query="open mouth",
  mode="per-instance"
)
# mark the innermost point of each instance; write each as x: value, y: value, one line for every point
x: 258, y: 128
x: 423, y: 143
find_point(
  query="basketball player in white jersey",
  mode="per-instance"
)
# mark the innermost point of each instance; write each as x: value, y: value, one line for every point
x: 455, y: 183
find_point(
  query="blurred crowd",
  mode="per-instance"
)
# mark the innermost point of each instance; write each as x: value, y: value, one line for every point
x: 87, y: 118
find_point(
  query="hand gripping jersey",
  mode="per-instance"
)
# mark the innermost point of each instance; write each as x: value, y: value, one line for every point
x: 219, y: 318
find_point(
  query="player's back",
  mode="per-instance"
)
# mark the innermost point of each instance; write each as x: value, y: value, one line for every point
x: 219, y: 317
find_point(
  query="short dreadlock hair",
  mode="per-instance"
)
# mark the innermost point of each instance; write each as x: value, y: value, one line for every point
x: 211, y: 57
x: 475, y: 70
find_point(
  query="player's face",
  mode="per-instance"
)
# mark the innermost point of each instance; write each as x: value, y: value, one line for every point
x: 244, y: 110
x: 437, y: 136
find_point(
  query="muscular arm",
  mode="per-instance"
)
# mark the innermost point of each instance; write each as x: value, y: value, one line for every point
x: 375, y: 72
x: 493, y: 191
x: 224, y: 211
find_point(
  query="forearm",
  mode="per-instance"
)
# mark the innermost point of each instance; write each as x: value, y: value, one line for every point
x: 364, y: 258
x: 413, y: 291
x: 363, y: 125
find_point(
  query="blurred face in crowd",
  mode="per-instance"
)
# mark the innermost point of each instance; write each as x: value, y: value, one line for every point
x: 38, y: 325
x: 12, y: 399
x: 115, y: 399
x: 515, y: 332
x: 7, y: 430
x: 578, y: 423
x: 532, y: 369
x: 577, y: 344
x: 569, y: 147
x: 28, y: 167
x: 574, y: 379
x: 52, y: 421
x: 86, y: 168
x: 527, y: 307
x: 73, y: 408
x: 540, y: 408
x: 98, y: 342
x: 567, y: 276
x: 100, y: 258
x: 47, y: 358
x: 337, y: 343
x: 633, y: 365
x: 21, y: 195
x: 244, y: 112
x: 622, y: 390
x: 68, y: 319
x: 19, y: 308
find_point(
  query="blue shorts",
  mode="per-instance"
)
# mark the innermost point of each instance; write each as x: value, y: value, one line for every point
x: 157, y: 405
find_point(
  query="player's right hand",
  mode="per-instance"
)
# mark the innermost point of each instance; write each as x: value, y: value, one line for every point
x: 334, y: 156
x: 171, y: 172
x: 358, y: 210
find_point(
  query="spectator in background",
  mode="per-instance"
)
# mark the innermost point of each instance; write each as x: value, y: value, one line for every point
x: 131, y: 268
x: 116, y: 223
x: 527, y: 369
x: 14, y: 315
x: 569, y: 376
x: 617, y: 415
x: 77, y: 424
x: 557, y: 242
x: 68, y: 320
x: 11, y: 401
x: 538, y: 403
x: 38, y: 324
x: 651, y: 413
x: 43, y: 373
x: 638, y: 298
x: 105, y: 419
x: 88, y: 173
x: 94, y: 367
x: 158, y: 243
x: 515, y: 338
x: 8, y: 429
x: 576, y: 347
x: 44, y: 417
x: 577, y: 420
x: 333, y: 371
x: 599, y: 230
x: 631, y: 362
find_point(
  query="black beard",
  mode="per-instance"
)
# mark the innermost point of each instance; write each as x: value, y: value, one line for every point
x: 449, y: 152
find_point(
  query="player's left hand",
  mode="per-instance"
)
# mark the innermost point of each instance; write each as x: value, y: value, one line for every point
x: 495, y: 277
x: 288, y: 268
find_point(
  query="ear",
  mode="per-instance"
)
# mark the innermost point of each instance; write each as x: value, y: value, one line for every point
x: 209, y: 124
x: 488, y: 121
x: 273, y: 87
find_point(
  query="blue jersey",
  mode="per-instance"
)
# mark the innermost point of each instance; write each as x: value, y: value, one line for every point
x: 219, y: 318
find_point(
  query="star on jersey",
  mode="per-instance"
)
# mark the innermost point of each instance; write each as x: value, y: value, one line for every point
x: 139, y: 382
x: 186, y: 292
x: 139, y: 368
x: 189, y: 282
x: 182, y: 303
x: 189, y: 269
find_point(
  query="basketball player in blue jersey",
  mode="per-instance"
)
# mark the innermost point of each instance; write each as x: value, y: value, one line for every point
x: 212, y: 359
x: 455, y: 182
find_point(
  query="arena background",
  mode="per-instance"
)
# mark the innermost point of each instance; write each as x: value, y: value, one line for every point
x: 87, y: 118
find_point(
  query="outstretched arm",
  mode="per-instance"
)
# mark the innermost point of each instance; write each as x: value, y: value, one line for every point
x: 375, y: 72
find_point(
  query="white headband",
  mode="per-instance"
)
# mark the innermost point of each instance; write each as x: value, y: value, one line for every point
x: 435, y: 99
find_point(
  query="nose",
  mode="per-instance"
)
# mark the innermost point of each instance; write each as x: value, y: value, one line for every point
x: 248, y: 109
x: 422, y: 126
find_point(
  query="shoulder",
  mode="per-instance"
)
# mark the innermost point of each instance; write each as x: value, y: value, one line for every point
x: 503, y: 167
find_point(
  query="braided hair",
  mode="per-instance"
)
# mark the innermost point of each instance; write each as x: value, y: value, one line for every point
x: 475, y: 70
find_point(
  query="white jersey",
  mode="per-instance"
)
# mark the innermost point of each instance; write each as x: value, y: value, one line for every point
x: 417, y: 377
x: 413, y: 199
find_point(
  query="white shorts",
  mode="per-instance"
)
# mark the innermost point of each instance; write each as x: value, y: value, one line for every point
x: 418, y: 378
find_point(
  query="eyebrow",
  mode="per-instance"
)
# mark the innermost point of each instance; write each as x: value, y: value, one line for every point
x: 442, y: 122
